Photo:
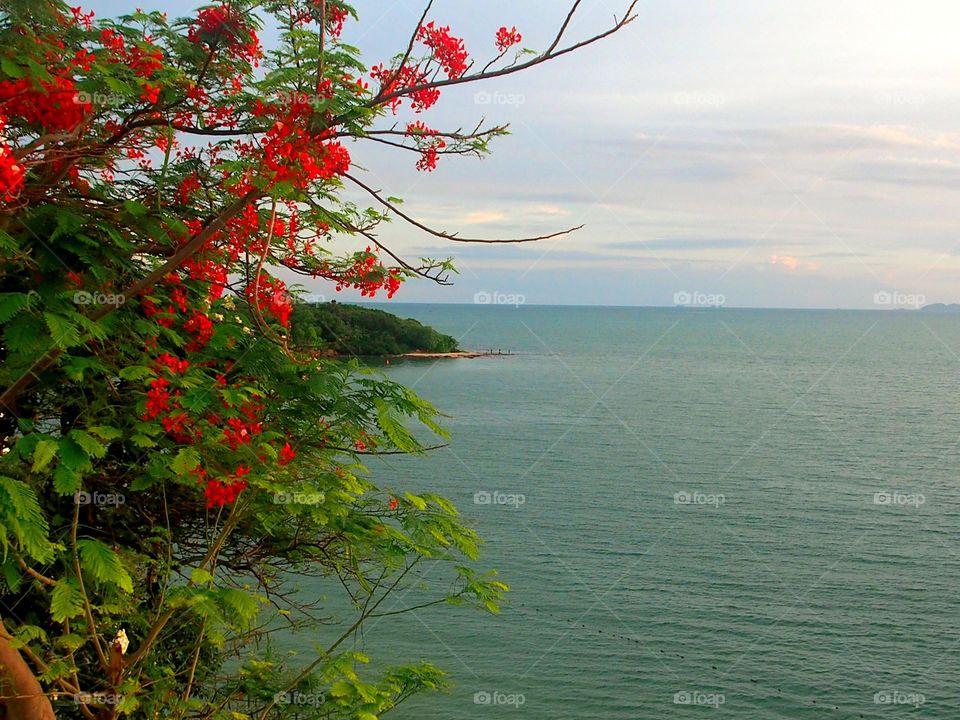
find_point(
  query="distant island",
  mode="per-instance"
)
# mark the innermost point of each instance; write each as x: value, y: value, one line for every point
x: 941, y: 308
x: 338, y: 329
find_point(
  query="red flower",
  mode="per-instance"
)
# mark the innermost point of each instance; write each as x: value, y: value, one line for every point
x: 271, y: 296
x: 174, y: 365
x: 447, y: 49
x: 336, y: 17
x: 221, y: 27
x: 11, y: 173
x: 429, y: 143
x: 55, y: 105
x: 392, y: 81
x: 220, y: 493
x: 201, y: 327
x: 394, y: 504
x: 508, y: 38
x: 287, y: 453
x: 150, y: 94
x: 428, y: 160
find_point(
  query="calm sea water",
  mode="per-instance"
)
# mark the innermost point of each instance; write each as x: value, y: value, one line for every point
x: 754, y: 511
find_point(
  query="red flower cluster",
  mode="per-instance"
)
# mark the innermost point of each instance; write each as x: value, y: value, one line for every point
x: 428, y: 161
x: 219, y: 26
x: 506, y: 39
x: 368, y: 276
x: 447, y: 49
x: 209, y: 270
x: 294, y: 154
x: 143, y: 62
x: 55, y: 105
x: 158, y: 399
x: 169, y: 362
x: 336, y: 17
x: 219, y: 493
x: 150, y: 94
x: 287, y: 454
x: 11, y: 172
x: 79, y: 18
x: 164, y: 317
x: 393, y: 81
x: 429, y: 144
x: 271, y: 296
x: 240, y: 432
x: 201, y: 327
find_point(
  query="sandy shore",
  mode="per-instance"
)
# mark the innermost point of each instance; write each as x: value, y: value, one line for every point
x: 441, y: 355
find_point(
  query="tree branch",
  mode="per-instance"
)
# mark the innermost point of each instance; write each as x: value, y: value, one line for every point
x: 450, y: 236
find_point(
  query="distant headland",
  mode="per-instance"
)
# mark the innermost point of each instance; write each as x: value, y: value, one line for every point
x: 341, y: 330
x: 952, y: 308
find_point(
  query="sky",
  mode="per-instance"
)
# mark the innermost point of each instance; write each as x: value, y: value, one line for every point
x: 756, y: 153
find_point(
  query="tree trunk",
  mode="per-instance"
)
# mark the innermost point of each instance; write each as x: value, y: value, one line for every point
x: 21, y: 697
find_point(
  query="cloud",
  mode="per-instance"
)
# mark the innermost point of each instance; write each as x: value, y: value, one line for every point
x: 792, y: 264
x: 787, y: 261
x: 684, y: 244
x: 549, y: 210
x: 908, y: 171
x: 480, y: 217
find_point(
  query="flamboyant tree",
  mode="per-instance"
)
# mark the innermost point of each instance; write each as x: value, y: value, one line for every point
x: 170, y: 461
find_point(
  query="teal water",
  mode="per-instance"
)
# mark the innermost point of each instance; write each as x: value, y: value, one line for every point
x: 786, y: 588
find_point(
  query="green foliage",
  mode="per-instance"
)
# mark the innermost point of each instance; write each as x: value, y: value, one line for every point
x: 110, y: 519
x: 66, y: 601
x: 103, y: 564
x: 22, y: 518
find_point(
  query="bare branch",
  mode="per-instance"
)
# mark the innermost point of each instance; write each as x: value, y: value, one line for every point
x: 413, y: 39
x: 450, y: 236
x: 550, y: 54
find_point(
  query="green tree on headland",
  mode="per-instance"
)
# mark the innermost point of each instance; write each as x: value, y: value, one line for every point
x: 351, y: 330
x: 170, y: 464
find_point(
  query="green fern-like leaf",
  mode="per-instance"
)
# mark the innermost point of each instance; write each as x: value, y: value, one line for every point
x: 43, y: 453
x: 242, y: 605
x: 11, y: 304
x: 103, y: 564
x: 91, y: 446
x: 22, y: 517
x: 63, y: 332
x: 394, y: 430
x: 65, y: 601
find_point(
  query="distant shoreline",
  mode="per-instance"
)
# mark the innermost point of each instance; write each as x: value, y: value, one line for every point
x: 456, y: 354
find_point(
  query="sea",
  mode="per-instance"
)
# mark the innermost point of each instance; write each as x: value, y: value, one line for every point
x: 751, y: 514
